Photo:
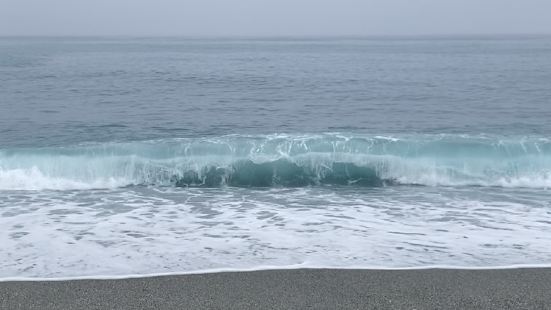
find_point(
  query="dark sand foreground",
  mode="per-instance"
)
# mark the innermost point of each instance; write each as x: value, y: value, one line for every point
x: 294, y: 289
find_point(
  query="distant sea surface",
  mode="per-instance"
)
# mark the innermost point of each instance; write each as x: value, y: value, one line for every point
x: 133, y: 156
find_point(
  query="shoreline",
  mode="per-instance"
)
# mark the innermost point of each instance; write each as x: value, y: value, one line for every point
x: 269, y: 268
x: 511, y: 288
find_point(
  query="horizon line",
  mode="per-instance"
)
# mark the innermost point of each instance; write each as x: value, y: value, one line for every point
x: 276, y: 36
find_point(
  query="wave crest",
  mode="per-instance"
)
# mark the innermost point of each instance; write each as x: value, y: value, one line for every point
x: 284, y: 160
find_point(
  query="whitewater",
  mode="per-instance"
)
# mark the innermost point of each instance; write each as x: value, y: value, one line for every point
x: 284, y: 160
x: 332, y: 200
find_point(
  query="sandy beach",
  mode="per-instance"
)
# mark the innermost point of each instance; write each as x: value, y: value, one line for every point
x: 294, y: 289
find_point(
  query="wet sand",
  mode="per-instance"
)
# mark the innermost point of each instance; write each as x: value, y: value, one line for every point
x: 294, y: 289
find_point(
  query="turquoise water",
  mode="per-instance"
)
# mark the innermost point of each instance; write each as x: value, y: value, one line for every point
x: 127, y: 156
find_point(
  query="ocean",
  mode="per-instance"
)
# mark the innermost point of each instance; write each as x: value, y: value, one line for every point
x: 125, y: 156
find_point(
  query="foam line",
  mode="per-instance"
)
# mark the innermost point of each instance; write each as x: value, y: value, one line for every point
x: 268, y: 268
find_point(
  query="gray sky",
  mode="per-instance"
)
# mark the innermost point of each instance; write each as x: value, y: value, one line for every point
x: 273, y: 17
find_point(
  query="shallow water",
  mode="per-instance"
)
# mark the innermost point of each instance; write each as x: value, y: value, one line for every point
x: 144, y: 230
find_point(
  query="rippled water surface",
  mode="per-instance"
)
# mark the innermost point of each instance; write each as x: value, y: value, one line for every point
x: 69, y: 90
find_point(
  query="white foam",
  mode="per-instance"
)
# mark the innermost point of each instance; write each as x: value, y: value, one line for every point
x: 34, y: 179
x: 152, y: 231
x: 272, y: 268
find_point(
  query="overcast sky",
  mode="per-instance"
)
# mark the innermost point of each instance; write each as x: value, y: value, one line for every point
x: 273, y: 17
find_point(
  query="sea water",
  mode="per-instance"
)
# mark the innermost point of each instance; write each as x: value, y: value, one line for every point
x: 132, y: 156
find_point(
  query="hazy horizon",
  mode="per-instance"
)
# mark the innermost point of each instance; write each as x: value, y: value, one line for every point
x: 284, y: 18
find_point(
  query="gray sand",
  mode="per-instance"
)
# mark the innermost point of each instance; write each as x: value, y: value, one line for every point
x: 294, y: 289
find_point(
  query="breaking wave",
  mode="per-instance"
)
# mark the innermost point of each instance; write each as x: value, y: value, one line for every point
x: 284, y: 160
